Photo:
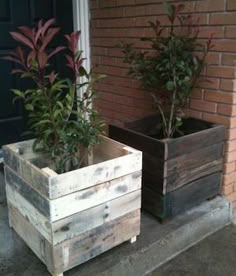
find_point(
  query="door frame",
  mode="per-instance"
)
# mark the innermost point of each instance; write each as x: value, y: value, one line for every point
x: 81, y: 19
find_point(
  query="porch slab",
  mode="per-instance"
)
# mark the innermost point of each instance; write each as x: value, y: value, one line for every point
x: 156, y: 245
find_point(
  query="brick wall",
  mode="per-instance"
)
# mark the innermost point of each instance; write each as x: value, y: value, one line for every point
x: 121, y: 98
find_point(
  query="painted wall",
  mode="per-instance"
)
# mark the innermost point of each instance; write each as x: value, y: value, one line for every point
x: 121, y: 98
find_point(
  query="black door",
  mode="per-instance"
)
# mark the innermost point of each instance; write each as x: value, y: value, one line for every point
x: 15, y: 13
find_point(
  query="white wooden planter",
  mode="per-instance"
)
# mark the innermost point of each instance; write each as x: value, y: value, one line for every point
x: 67, y: 219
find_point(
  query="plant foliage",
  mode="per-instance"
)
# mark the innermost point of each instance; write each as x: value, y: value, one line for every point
x: 60, y: 128
x: 171, y: 68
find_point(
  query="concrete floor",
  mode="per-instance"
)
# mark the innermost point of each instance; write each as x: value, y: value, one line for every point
x: 214, y: 256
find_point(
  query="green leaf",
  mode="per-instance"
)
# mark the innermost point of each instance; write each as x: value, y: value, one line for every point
x: 29, y: 107
x: 170, y: 86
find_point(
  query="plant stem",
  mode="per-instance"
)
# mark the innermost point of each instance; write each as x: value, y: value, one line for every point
x: 160, y: 110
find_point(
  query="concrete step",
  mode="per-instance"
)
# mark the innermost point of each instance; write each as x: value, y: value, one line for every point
x: 158, y: 243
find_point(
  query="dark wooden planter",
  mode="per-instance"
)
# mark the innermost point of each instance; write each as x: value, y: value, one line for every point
x: 178, y: 173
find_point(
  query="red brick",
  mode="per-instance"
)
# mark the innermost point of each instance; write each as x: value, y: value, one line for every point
x: 221, y: 71
x: 107, y: 3
x: 226, y: 45
x: 193, y: 113
x: 210, y: 5
x: 231, y: 197
x: 230, y: 32
x: 220, y: 97
x: 229, y: 59
x: 231, y: 5
x: 230, y: 157
x: 228, y: 85
x: 230, y: 146
x: 229, y: 167
x: 197, y: 93
x: 203, y: 106
x: 206, y: 32
x: 227, y: 190
x: 229, y: 178
x: 228, y: 18
x: 227, y: 109
x: 125, y: 2
x: 210, y: 117
x: 231, y: 134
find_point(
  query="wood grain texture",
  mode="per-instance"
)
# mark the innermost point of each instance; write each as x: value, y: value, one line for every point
x: 94, y: 242
x: 41, y: 203
x: 195, y: 141
x: 177, y: 180
x: 27, y: 210
x: 194, y: 193
x: 138, y: 141
x: 38, y: 244
x: 86, y: 177
x: 87, y: 198
x: 31, y: 174
x: 182, y: 199
x: 81, y: 222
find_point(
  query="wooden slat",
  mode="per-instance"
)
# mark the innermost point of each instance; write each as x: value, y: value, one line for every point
x: 86, y: 177
x: 26, y: 170
x: 138, y: 141
x: 194, y: 193
x: 41, y: 203
x: 177, y: 180
x: 194, y: 159
x: 91, y: 218
x: 153, y: 202
x: 96, y: 241
x: 184, y: 198
x: 195, y: 141
x: 27, y: 210
x: 40, y: 246
x: 87, y: 198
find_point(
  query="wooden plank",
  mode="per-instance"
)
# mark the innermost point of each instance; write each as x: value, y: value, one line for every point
x: 96, y: 241
x: 91, y: 218
x: 31, y: 174
x: 194, y: 193
x: 154, y: 165
x: 195, y: 141
x: 177, y: 180
x: 87, y: 198
x: 40, y: 222
x: 194, y: 159
x: 112, y: 148
x: 86, y: 177
x: 38, y: 244
x: 138, y: 140
x: 153, y: 202
x: 41, y: 203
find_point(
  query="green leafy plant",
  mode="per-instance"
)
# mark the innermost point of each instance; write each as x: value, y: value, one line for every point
x: 171, y: 68
x: 65, y: 125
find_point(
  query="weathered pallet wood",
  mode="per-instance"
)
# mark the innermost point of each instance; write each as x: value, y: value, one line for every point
x: 94, y: 242
x: 91, y: 218
x: 63, y: 221
x: 122, y: 161
x: 171, y: 164
x: 39, y: 221
x: 180, y: 200
x: 81, y: 248
x: 38, y: 244
x: 78, y: 201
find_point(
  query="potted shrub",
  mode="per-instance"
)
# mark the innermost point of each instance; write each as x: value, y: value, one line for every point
x: 72, y: 193
x: 182, y: 157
